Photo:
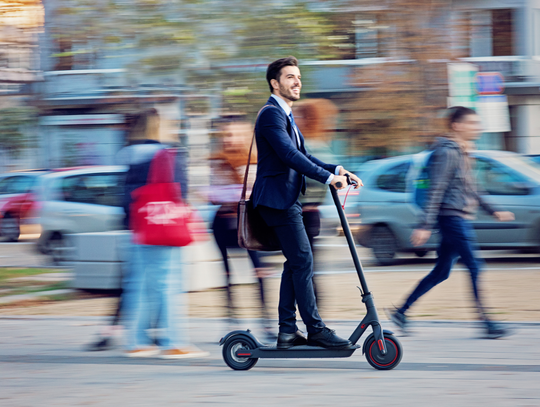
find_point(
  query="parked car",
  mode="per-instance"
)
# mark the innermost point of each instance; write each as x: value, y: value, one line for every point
x: 535, y: 158
x: 17, y: 202
x: 79, y: 200
x: 384, y: 217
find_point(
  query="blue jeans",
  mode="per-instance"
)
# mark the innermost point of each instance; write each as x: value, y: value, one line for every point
x: 458, y: 240
x: 155, y: 297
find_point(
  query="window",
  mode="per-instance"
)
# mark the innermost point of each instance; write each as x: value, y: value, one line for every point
x: 17, y: 184
x: 64, y: 58
x: 96, y: 189
x: 21, y: 185
x: 489, y: 32
x: 4, y: 185
x: 360, y: 35
x: 394, y: 179
x: 502, y: 32
x: 498, y: 180
x: 536, y: 33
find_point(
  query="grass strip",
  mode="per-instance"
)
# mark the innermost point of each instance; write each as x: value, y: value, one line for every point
x: 7, y: 273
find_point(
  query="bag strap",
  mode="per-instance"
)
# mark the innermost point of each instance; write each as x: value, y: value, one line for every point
x: 161, y: 168
x: 244, y: 188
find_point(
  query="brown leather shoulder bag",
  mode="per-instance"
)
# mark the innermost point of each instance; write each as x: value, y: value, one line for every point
x: 253, y: 232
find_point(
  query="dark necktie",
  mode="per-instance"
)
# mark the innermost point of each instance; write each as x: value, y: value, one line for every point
x: 295, y: 130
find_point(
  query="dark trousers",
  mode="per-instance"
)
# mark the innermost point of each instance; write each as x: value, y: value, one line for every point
x: 312, y: 223
x: 297, y: 278
x: 226, y: 234
x: 458, y: 240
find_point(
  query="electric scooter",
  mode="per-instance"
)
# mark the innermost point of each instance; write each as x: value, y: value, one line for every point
x: 383, y: 351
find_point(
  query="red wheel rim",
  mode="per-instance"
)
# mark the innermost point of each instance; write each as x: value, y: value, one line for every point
x: 380, y: 364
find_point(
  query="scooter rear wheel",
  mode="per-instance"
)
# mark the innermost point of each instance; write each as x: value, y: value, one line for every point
x: 231, y: 346
x: 383, y: 362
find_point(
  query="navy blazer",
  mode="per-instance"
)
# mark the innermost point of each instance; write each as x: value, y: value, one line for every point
x: 281, y: 166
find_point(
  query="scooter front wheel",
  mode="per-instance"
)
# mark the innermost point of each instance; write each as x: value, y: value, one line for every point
x: 383, y: 362
x: 230, y: 349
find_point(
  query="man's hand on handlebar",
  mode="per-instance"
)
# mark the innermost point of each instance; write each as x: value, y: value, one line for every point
x: 339, y: 182
x: 359, y: 183
x: 342, y: 181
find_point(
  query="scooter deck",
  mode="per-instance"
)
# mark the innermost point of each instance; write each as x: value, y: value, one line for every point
x: 296, y: 352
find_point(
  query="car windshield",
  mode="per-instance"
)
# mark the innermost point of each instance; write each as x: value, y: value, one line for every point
x: 524, y: 165
x: 366, y: 167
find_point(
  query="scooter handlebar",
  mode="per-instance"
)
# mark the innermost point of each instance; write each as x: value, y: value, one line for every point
x: 349, y: 181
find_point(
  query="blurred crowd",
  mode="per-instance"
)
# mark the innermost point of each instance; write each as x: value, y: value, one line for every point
x: 153, y: 295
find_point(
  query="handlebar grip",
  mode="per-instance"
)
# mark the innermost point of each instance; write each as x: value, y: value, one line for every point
x: 338, y: 184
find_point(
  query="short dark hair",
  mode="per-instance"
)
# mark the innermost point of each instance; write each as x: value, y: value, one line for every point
x: 274, y: 69
x: 457, y: 113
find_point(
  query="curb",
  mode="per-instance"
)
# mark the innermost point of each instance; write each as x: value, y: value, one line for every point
x: 255, y: 321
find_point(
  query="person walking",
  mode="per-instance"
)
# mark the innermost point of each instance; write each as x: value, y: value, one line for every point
x: 154, y: 296
x: 138, y: 131
x: 451, y: 201
x: 228, y: 167
x: 282, y: 165
x: 316, y: 119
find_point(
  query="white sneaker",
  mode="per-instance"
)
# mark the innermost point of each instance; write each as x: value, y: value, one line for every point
x: 183, y: 353
x: 142, y: 352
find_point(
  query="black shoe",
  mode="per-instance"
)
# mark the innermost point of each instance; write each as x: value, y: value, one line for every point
x: 286, y: 341
x: 101, y: 344
x: 327, y: 338
x: 495, y: 331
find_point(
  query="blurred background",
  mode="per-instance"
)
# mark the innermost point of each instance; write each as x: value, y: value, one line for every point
x: 74, y: 72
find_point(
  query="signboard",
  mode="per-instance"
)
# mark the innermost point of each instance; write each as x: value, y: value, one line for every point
x: 493, y: 109
x: 491, y: 105
x: 489, y: 83
x: 462, y: 84
x: 481, y: 91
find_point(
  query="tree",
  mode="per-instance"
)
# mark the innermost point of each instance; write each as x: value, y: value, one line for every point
x: 13, y: 123
x: 401, y: 101
x: 173, y: 35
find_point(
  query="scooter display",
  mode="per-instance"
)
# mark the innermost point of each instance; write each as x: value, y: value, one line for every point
x: 383, y: 351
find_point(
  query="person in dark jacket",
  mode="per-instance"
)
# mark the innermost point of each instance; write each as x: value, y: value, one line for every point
x: 451, y: 203
x: 282, y: 165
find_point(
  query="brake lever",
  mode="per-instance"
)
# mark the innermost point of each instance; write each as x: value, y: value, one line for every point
x: 351, y: 181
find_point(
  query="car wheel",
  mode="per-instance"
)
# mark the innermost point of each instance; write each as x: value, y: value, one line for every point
x: 420, y: 253
x: 384, y: 245
x: 58, y: 248
x: 10, y: 228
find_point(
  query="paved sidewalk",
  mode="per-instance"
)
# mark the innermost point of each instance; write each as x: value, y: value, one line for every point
x: 444, y: 364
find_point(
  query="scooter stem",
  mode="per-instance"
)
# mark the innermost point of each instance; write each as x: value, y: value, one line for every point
x: 350, y: 241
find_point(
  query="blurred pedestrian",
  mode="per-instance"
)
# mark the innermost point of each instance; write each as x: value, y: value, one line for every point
x: 316, y: 120
x: 452, y: 199
x: 154, y: 296
x: 228, y: 170
x: 282, y: 165
x: 136, y: 133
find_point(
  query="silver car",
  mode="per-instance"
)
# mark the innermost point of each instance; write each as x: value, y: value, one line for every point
x: 79, y: 200
x: 383, y: 216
